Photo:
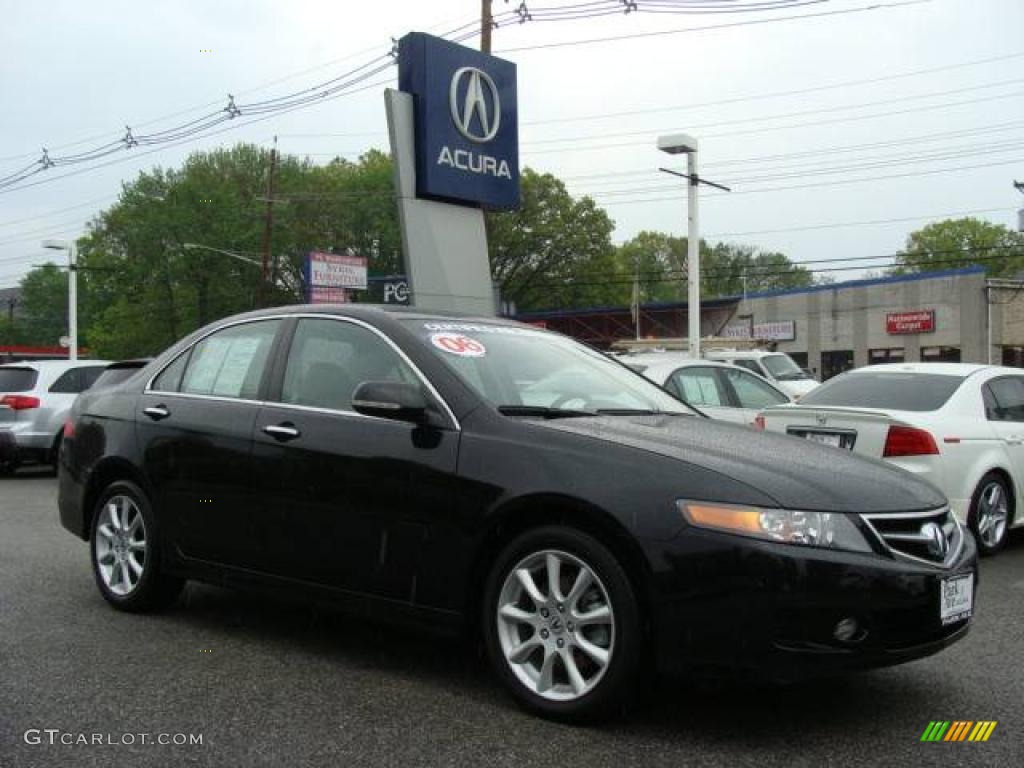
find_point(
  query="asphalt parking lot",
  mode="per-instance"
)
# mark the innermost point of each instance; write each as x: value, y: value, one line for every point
x: 271, y: 683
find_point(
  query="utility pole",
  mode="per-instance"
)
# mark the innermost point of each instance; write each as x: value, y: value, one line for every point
x: 268, y: 229
x: 486, y: 24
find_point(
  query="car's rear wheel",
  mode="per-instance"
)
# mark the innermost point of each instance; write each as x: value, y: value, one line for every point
x: 126, y: 551
x: 562, y: 625
x: 989, y: 515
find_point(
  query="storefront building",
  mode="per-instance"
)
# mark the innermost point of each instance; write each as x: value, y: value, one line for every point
x: 931, y: 317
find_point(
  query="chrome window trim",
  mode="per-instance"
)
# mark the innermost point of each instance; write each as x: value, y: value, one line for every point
x: 314, y: 316
x: 951, y: 556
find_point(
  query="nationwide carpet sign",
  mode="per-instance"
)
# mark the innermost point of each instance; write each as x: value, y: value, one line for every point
x: 921, y: 321
x: 467, y: 132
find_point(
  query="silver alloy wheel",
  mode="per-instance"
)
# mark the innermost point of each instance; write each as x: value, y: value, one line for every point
x: 121, y: 548
x: 556, y: 625
x: 993, y: 511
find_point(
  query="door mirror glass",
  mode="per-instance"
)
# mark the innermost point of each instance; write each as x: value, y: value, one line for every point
x: 390, y: 400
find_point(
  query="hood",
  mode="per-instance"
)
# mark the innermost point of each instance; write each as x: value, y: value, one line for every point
x: 797, y: 387
x: 795, y: 473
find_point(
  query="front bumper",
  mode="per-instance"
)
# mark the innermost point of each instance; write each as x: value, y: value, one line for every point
x: 771, y: 610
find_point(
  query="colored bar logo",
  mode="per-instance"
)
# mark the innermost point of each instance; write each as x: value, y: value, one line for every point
x: 959, y: 730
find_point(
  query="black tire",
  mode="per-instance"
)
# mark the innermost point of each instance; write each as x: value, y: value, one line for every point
x: 989, y: 543
x: 615, y: 688
x: 154, y: 588
x: 8, y: 468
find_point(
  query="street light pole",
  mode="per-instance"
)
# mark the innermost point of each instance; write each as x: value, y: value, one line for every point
x: 69, y: 246
x: 693, y: 253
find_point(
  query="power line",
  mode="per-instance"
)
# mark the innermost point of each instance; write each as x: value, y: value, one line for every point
x: 766, y: 129
x: 773, y: 94
x: 708, y: 27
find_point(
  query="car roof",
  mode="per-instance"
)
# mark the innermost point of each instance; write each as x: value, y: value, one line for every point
x: 741, y: 354
x: 668, y: 366
x: 47, y: 365
x: 938, y: 369
x: 378, y: 310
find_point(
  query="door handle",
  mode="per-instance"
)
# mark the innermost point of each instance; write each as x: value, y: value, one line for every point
x: 157, y: 412
x: 282, y: 432
x: 1014, y: 440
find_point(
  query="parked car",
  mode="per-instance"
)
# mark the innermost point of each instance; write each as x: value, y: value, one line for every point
x: 776, y: 367
x: 478, y: 474
x: 120, y: 371
x: 35, y: 398
x: 719, y: 390
x: 959, y: 426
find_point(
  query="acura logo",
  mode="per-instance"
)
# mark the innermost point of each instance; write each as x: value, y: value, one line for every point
x: 475, y: 104
x: 822, y: 420
x: 937, y: 544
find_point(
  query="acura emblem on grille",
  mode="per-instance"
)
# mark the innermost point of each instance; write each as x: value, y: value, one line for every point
x: 822, y: 420
x: 937, y: 544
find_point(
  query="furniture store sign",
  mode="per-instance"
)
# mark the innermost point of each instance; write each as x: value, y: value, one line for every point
x: 918, y: 321
x: 467, y: 133
x: 330, y: 276
x: 780, y: 330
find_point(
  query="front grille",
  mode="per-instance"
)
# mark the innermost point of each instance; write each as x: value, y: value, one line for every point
x: 933, y: 537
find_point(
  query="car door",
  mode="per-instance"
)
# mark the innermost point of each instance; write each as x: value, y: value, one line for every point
x: 700, y: 385
x: 347, y: 501
x: 1004, y: 409
x: 194, y: 425
x: 750, y: 393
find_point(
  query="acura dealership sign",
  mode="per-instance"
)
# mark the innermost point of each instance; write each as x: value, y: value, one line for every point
x: 466, y: 125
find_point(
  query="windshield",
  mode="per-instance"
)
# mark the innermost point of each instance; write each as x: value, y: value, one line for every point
x: 17, y: 379
x: 889, y: 390
x: 782, y: 367
x: 513, y: 367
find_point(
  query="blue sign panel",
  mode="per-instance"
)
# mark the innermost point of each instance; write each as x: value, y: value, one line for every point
x: 467, y: 132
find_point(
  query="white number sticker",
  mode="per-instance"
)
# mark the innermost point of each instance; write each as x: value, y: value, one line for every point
x: 457, y: 344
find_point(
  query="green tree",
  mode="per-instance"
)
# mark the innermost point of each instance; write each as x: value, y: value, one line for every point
x: 956, y: 243
x: 546, y: 253
x: 661, y: 262
x: 44, y: 307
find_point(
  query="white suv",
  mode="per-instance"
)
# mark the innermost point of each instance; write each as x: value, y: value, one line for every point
x: 35, y: 398
x: 777, y: 367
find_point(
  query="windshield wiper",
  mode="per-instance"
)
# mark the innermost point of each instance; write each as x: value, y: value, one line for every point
x: 543, y: 411
x: 629, y: 412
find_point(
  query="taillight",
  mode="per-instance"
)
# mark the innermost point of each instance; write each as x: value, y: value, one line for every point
x: 909, y: 441
x: 19, y: 402
x: 69, y: 429
x: 759, y: 422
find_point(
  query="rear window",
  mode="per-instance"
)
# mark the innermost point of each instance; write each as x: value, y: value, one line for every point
x: 889, y: 390
x: 113, y: 376
x: 17, y: 379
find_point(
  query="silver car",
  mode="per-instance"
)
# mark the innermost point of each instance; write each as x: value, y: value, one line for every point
x: 35, y: 398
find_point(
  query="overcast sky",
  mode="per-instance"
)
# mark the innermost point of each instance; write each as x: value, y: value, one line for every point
x: 944, y: 110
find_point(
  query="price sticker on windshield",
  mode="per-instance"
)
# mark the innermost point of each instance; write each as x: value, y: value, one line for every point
x: 457, y: 344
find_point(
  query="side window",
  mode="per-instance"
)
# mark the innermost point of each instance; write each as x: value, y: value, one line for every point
x: 1004, y: 399
x: 170, y: 377
x: 69, y: 382
x: 230, y: 363
x: 752, y: 392
x: 750, y: 365
x: 329, y: 359
x: 90, y: 374
x: 699, y: 386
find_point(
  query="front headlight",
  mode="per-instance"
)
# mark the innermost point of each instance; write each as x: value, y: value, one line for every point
x: 810, y: 529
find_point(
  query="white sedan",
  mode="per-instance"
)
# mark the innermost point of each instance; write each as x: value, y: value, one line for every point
x: 960, y: 426
x: 722, y: 391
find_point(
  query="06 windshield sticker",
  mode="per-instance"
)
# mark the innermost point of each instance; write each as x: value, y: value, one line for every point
x: 457, y: 344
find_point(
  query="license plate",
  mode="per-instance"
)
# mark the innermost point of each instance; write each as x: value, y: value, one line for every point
x: 820, y: 437
x: 955, y: 597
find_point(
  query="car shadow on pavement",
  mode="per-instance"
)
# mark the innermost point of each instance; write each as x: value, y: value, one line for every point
x: 724, y: 710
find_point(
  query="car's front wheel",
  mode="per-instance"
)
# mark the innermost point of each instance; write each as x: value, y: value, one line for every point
x: 125, y: 551
x: 562, y: 625
x: 989, y: 515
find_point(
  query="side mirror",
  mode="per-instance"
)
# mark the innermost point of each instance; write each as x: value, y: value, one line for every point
x: 390, y: 400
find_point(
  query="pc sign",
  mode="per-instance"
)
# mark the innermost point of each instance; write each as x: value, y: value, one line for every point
x: 329, y: 276
x: 467, y: 133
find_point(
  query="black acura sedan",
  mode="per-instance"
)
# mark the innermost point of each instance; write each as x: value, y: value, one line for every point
x: 473, y: 473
